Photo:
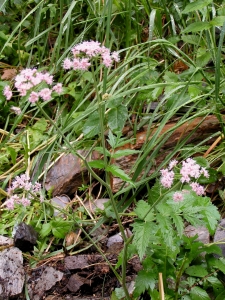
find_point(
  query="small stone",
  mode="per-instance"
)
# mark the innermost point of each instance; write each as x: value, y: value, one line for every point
x: 75, y: 282
x: 11, y: 273
x: 48, y: 279
x: 25, y: 237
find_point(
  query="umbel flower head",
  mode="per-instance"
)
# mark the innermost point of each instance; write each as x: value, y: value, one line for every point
x: 84, y: 52
x: 22, y: 184
x: 27, y: 82
x: 189, y: 173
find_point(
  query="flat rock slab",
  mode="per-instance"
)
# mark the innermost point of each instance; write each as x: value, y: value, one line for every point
x: 67, y: 174
x: 12, y: 274
x: 47, y: 280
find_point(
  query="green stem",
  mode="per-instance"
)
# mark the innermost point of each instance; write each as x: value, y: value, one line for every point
x: 103, y: 183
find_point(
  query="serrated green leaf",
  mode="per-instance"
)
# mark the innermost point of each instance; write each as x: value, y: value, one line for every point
x: 196, y: 271
x: 197, y: 26
x: 116, y: 171
x: 124, y: 152
x: 142, y: 233
x: 141, y: 209
x: 196, y: 5
x: 92, y: 125
x: 179, y: 224
x: 211, y: 217
x: 97, y: 164
x: 101, y: 150
x: 198, y: 293
x: 117, y: 117
x: 145, y: 280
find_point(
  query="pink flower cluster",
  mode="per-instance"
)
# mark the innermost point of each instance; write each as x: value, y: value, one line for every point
x: 28, y: 80
x: 84, y: 52
x: 23, y: 183
x: 189, y: 171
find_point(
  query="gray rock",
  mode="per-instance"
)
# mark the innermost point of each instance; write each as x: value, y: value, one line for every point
x: 47, y: 280
x: 68, y: 173
x: 11, y: 273
x: 61, y: 202
x: 219, y: 236
x: 201, y: 231
x: 25, y: 237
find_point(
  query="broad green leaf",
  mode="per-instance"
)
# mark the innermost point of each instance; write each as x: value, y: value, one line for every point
x: 97, y: 164
x: 213, y: 177
x: 13, y: 154
x: 202, y: 60
x: 60, y: 228
x: 92, y: 125
x: 116, y: 171
x: 218, y: 21
x: 46, y: 229
x: 117, y: 117
x: 191, y: 39
x: 125, y: 152
x: 119, y: 293
x: 197, y: 26
x: 142, y: 233
x: 40, y: 125
x: 203, y: 162
x: 196, y: 5
x: 198, y: 293
x: 217, y: 285
x: 196, y: 271
x: 221, y: 296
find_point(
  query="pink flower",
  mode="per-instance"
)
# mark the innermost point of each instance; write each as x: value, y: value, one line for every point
x: 47, y: 78
x: 58, y: 88
x: 197, y: 188
x: 36, y: 80
x: 90, y: 48
x: 172, y: 164
x: 115, y: 56
x: 166, y: 178
x: 84, y: 64
x: 45, y: 94
x: 25, y: 202
x: 33, y: 97
x: 178, y: 196
x: 107, y: 61
x: 16, y: 110
x: 67, y: 64
x: 9, y: 204
x: 7, y: 92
